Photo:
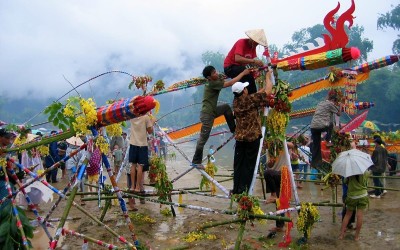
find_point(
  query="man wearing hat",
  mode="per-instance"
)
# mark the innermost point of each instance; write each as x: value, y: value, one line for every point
x: 243, y: 53
x: 248, y: 131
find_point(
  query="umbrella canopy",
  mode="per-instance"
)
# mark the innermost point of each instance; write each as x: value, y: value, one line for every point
x: 351, y: 162
x: 370, y: 125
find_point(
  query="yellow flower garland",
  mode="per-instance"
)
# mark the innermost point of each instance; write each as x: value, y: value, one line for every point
x: 308, y: 215
x: 102, y: 144
x: 114, y: 129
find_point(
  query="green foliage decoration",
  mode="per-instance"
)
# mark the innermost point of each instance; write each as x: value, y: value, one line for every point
x: 10, y: 236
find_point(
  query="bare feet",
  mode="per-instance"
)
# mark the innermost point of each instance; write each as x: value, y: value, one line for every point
x: 357, y: 238
x: 341, y: 236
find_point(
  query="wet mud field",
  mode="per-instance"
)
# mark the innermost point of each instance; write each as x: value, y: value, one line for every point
x: 380, y: 230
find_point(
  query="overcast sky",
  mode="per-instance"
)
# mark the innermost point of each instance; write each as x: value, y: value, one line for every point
x: 42, y: 42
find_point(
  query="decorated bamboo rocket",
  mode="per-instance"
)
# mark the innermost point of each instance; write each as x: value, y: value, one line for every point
x: 124, y: 110
x: 320, y: 60
x: 376, y: 64
x: 119, y: 111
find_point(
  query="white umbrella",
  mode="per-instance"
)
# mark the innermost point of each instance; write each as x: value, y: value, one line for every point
x: 351, y: 162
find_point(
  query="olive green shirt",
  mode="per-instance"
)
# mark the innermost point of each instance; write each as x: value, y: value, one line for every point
x: 210, y: 96
x: 357, y: 187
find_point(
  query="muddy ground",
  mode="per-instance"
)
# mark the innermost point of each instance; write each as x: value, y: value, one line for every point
x: 381, y: 228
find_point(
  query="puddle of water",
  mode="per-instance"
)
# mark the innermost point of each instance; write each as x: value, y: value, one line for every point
x: 162, y: 231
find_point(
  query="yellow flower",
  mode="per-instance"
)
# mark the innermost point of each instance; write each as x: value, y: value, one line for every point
x: 102, y: 144
x: 193, y: 236
x: 3, y: 161
x: 43, y: 150
x: 114, y: 129
x: 69, y: 110
x: 308, y: 215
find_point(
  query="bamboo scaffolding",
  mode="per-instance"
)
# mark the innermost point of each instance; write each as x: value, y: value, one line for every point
x: 25, y: 243
x: 88, y: 238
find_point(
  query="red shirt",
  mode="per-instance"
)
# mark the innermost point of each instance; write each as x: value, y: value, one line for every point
x: 241, y: 48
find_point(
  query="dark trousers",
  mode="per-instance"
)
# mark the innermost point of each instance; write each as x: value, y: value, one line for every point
x: 377, y: 183
x: 207, y: 121
x: 244, y: 163
x: 52, y: 175
x: 316, y: 158
x: 234, y: 70
x: 273, y: 184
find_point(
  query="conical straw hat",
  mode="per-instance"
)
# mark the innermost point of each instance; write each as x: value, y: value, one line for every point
x: 76, y: 141
x: 258, y: 36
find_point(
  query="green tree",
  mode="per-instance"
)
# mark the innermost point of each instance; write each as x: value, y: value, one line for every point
x: 391, y: 20
x: 215, y: 59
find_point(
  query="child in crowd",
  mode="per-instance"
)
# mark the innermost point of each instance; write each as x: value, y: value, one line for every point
x: 72, y: 164
x: 356, y: 200
x: 118, y: 157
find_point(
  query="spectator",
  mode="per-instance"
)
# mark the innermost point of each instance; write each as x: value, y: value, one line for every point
x: 304, y: 153
x: 392, y: 161
x: 138, y: 152
x: 75, y: 162
x: 380, y: 160
x: 118, y: 157
x: 51, y: 159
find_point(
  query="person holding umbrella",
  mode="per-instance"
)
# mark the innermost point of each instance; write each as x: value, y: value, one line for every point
x: 352, y: 165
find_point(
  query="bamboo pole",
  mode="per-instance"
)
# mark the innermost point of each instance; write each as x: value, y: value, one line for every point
x: 239, y: 238
x: 15, y: 211
x: 105, y: 208
x: 66, y: 189
x: 218, y: 223
x: 30, y: 204
x: 333, y: 201
x: 88, y: 238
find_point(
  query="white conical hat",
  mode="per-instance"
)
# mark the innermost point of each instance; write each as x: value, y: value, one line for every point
x: 74, y: 140
x: 258, y: 36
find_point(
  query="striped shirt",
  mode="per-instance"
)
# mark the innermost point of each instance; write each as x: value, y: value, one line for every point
x: 323, y: 116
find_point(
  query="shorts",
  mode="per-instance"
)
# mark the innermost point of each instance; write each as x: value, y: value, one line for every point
x: 93, y: 178
x: 139, y: 155
x: 295, y: 168
x: 360, y: 203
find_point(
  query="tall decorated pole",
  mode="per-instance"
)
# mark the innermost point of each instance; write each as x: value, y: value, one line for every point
x: 265, y: 114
